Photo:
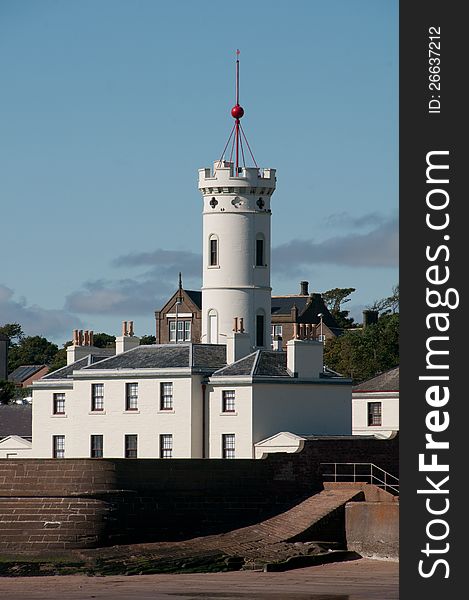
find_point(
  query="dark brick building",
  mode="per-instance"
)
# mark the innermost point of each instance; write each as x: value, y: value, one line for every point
x: 293, y: 315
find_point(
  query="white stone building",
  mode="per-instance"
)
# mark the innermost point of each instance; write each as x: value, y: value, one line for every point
x: 184, y: 401
x: 215, y: 399
x: 375, y: 405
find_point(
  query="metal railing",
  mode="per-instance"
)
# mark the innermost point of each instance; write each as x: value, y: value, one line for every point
x: 361, y: 472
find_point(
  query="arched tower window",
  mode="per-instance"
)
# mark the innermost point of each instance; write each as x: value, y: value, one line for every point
x: 260, y: 250
x: 260, y: 328
x: 212, y: 328
x: 213, y: 251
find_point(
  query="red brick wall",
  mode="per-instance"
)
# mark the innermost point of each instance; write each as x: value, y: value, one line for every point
x: 79, y: 503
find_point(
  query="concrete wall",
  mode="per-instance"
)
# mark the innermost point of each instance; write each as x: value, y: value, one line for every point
x: 389, y: 413
x: 372, y: 529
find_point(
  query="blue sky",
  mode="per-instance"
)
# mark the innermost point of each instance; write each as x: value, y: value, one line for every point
x: 109, y: 107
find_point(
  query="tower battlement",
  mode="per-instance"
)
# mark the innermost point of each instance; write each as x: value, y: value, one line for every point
x: 222, y: 178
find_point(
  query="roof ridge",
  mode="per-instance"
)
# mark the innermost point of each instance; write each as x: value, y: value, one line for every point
x: 256, y: 362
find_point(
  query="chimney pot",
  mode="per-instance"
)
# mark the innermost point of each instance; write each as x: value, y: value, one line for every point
x: 241, y: 324
x: 124, y: 327
x: 304, y: 288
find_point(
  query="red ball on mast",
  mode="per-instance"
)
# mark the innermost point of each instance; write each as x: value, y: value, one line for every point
x: 237, y: 111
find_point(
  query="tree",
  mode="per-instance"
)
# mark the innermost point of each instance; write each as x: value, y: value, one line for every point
x: 366, y: 353
x: 147, y: 340
x: 32, y: 350
x: 7, y: 391
x: 334, y: 299
x: 104, y: 340
x: 389, y: 304
x: 14, y: 331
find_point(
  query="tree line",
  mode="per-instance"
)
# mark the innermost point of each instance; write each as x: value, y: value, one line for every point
x: 359, y: 353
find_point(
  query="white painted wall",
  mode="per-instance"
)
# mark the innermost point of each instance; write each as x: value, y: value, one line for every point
x: 15, y: 446
x: 239, y: 422
x: 264, y: 409
x: 389, y: 413
x: 284, y: 441
x: 148, y: 422
x: 236, y: 287
x: 302, y: 408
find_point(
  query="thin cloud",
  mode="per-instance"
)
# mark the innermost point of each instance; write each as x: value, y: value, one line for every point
x: 35, y: 320
x: 143, y: 293
x: 345, y: 219
x: 378, y: 248
x: 147, y: 291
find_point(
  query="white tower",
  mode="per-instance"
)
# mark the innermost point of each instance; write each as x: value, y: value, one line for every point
x: 236, y: 292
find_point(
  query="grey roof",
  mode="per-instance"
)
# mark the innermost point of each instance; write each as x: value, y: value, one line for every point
x: 282, y: 305
x: 195, y: 296
x: 166, y: 356
x: 309, y: 307
x: 23, y: 372
x: 385, y: 382
x: 262, y: 363
x: 89, y: 359
x: 15, y: 419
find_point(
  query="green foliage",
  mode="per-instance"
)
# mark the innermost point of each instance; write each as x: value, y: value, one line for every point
x: 334, y: 299
x: 7, y: 391
x: 14, y: 331
x: 147, y: 340
x: 365, y: 353
x: 389, y: 304
x: 32, y: 350
x: 59, y: 360
x: 104, y: 340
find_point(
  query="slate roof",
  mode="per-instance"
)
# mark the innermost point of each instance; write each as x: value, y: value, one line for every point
x: 15, y: 419
x: 263, y: 363
x: 23, y: 372
x: 195, y: 296
x: 308, y: 307
x: 90, y: 359
x: 282, y: 305
x: 385, y: 382
x: 167, y: 356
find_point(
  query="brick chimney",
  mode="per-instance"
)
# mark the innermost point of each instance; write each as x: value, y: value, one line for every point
x: 127, y: 341
x: 82, y: 345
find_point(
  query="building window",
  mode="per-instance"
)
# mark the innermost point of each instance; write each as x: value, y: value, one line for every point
x: 166, y: 445
x: 213, y: 258
x: 228, y: 404
x: 130, y: 446
x: 374, y: 413
x: 96, y: 449
x: 166, y: 396
x: 131, y: 396
x: 260, y: 260
x: 97, y: 396
x: 58, y: 446
x: 260, y: 330
x: 59, y: 404
x: 277, y: 330
x: 228, y: 445
x: 183, y: 331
